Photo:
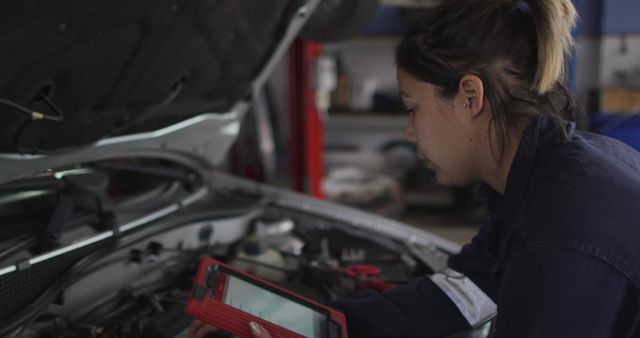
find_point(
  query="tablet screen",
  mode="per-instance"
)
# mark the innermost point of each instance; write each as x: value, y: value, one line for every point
x: 274, y: 308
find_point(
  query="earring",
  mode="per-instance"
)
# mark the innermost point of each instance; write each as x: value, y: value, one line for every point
x: 467, y: 105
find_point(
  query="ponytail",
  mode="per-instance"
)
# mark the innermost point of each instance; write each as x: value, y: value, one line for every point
x: 554, y: 21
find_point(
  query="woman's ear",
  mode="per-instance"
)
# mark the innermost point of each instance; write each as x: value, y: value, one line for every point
x: 471, y: 94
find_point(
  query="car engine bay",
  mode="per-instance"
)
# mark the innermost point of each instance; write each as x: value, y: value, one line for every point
x: 311, y: 258
x: 137, y: 284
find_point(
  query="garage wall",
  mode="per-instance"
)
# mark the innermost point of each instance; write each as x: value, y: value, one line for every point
x: 369, y: 65
x: 620, y: 16
x: 620, y: 60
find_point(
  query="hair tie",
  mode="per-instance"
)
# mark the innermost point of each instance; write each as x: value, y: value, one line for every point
x: 523, y: 6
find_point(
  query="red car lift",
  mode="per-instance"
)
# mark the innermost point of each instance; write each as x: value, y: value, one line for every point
x: 306, y: 126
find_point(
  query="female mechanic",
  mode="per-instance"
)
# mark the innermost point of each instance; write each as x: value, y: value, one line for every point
x: 482, y: 81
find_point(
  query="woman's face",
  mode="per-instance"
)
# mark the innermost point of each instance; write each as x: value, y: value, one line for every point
x: 442, y: 129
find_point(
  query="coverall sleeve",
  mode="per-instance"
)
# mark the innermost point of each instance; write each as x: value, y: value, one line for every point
x: 562, y: 293
x: 421, y: 308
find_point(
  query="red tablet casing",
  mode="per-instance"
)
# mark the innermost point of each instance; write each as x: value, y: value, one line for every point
x: 205, y: 303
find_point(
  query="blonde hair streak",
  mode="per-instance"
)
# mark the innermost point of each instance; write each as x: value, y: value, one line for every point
x: 555, y: 20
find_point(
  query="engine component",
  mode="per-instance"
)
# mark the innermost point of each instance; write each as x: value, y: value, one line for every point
x: 352, y: 255
x: 257, y: 260
x: 317, y: 260
x: 268, y: 226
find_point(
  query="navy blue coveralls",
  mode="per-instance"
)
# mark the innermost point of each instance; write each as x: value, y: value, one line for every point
x: 559, y: 257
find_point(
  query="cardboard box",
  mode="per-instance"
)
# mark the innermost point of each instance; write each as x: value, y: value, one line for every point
x: 620, y: 100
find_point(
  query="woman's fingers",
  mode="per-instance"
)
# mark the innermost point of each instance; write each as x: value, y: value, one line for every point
x: 204, y: 330
x: 195, y: 324
x: 258, y: 331
x: 199, y: 329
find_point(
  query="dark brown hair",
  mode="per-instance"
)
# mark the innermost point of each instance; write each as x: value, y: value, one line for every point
x: 517, y: 48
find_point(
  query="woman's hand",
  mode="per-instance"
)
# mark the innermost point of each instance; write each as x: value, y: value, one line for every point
x: 200, y: 329
x: 258, y: 331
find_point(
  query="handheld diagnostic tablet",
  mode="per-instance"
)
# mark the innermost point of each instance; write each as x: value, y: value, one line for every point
x: 229, y: 299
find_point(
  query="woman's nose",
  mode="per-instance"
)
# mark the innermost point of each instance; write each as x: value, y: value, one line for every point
x: 409, y: 133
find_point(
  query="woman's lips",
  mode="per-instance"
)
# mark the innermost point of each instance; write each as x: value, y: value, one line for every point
x: 423, y: 158
x: 426, y: 160
x: 428, y: 163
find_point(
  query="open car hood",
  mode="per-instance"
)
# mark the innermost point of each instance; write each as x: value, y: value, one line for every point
x: 115, y: 201
x: 138, y: 75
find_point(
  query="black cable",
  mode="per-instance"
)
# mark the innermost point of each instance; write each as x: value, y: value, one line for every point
x: 19, y: 108
x: 34, y: 115
x: 151, y: 110
x: 55, y: 108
